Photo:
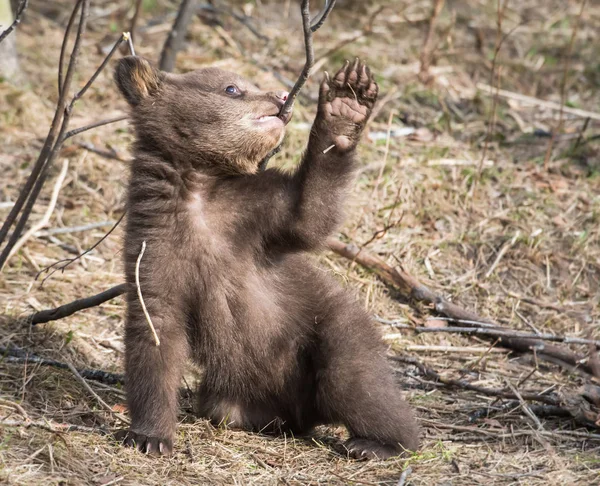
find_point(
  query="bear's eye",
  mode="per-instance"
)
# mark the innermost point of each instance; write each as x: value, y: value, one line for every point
x: 232, y: 90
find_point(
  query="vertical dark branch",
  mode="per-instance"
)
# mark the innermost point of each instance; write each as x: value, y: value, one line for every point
x: 308, y: 28
x: 310, y: 55
x: 63, y: 47
x: 177, y: 35
x: 320, y: 19
x: 310, y: 60
x: 50, y: 139
x: 427, y: 51
x: 19, y: 13
x: 563, y: 86
x: 494, y: 82
x: 54, y: 142
x: 134, y: 19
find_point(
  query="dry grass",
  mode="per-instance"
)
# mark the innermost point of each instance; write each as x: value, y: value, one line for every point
x: 449, y: 237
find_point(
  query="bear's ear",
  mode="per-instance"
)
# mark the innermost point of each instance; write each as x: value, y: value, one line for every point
x: 137, y: 79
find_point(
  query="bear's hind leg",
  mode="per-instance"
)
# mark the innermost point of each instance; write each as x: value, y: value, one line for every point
x: 356, y: 386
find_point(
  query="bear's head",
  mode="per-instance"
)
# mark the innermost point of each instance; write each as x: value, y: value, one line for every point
x: 209, y: 118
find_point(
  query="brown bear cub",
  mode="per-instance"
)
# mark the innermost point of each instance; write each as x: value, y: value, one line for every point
x: 226, y: 277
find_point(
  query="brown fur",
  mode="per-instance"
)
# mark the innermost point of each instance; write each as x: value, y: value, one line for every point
x: 225, y: 276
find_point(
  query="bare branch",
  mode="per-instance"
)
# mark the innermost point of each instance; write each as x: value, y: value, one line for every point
x: 49, y: 210
x: 242, y: 19
x: 561, y: 402
x: 20, y: 9
x: 427, y: 51
x: 176, y: 37
x: 53, y: 143
x: 310, y: 55
x: 77, y: 131
x: 69, y: 309
x: 133, y: 23
x: 320, y: 19
x: 69, y: 261
x: 563, y: 86
x: 91, y: 391
x: 41, y: 163
x: 63, y: 47
x: 366, y: 31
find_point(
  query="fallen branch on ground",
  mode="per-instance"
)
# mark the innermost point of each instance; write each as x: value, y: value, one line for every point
x: 56, y: 428
x: 68, y: 309
x: 574, y: 405
x: 551, y: 105
x: 17, y: 355
x: 486, y: 331
x: 397, y: 278
x: 412, y: 288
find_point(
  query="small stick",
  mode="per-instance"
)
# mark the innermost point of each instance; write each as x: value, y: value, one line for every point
x: 525, y: 407
x: 139, y: 292
x: 453, y: 349
x: 16, y: 406
x: 46, y: 218
x: 563, y: 86
x: 86, y: 385
x: 75, y: 229
x: 404, y: 476
x: 100, y: 123
x: 67, y: 261
x: 501, y: 253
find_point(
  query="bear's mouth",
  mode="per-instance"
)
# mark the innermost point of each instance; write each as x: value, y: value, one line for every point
x: 266, y: 118
x: 269, y: 121
x: 274, y: 117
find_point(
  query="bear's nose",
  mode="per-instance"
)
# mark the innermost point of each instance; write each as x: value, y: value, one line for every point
x: 281, y: 96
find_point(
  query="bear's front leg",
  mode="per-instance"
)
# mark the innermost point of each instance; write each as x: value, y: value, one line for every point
x: 153, y: 374
x: 326, y: 172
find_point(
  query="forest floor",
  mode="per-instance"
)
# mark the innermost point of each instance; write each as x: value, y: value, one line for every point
x: 479, y: 217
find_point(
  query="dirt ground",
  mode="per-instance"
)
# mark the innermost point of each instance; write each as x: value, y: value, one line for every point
x: 453, y: 187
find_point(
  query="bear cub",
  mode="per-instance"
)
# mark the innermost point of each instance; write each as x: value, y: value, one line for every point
x: 226, y: 276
